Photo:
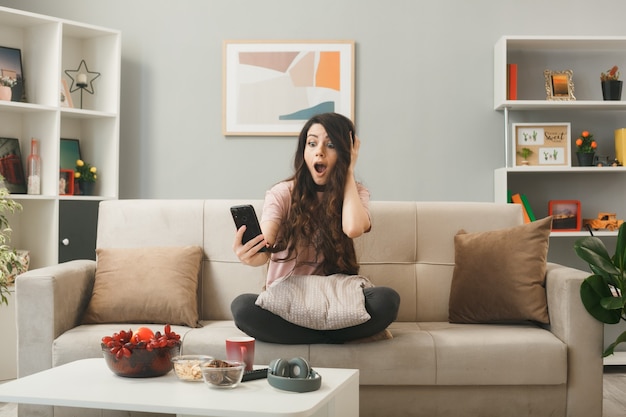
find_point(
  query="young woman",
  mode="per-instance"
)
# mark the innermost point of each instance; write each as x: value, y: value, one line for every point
x: 308, y: 223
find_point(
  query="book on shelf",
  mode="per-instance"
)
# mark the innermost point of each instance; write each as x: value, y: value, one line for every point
x: 511, y: 81
x: 527, y: 211
x: 528, y: 208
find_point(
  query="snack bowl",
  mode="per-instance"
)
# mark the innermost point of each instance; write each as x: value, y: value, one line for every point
x: 222, y: 374
x: 188, y: 367
x: 141, y: 363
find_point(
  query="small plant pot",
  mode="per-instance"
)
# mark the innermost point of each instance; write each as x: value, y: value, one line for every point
x: 585, y: 159
x: 612, y: 90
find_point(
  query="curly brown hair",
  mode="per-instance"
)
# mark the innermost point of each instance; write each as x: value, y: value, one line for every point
x: 316, y: 221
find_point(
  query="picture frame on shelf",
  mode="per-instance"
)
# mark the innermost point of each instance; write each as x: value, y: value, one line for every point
x: 11, y: 75
x: 566, y: 215
x: 65, y: 99
x: 70, y: 152
x: 559, y: 85
x: 541, y: 145
x: 11, y: 166
x: 271, y: 88
x: 66, y: 182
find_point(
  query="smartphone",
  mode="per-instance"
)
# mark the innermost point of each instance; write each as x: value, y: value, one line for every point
x: 245, y: 215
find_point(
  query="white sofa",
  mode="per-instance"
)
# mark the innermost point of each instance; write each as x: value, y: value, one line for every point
x: 430, y: 368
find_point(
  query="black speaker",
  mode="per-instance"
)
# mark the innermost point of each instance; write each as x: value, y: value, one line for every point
x: 293, y: 375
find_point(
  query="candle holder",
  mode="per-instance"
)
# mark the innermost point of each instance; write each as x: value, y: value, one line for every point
x: 82, y: 79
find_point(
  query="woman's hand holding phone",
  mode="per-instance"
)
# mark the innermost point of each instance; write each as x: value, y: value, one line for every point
x: 250, y: 244
x: 250, y: 253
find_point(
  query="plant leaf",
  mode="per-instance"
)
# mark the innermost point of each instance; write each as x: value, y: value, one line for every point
x: 592, y: 290
x: 612, y: 303
x: 611, y: 348
x: 592, y: 250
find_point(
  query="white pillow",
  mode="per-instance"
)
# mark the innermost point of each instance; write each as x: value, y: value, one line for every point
x: 318, y: 302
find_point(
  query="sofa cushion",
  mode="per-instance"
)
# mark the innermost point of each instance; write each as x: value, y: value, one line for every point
x: 499, y: 276
x: 146, y: 285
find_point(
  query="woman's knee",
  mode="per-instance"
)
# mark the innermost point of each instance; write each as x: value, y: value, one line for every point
x: 242, y: 305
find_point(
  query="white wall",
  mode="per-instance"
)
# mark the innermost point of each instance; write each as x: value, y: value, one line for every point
x: 424, y: 91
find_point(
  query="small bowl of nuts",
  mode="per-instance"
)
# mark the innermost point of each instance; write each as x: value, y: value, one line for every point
x: 189, y: 367
x: 222, y: 374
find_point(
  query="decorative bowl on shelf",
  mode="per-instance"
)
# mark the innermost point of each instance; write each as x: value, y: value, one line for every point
x: 142, y: 363
x: 222, y: 374
x: 188, y: 367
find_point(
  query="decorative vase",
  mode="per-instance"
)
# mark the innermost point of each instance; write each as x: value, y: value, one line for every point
x: 585, y: 159
x: 612, y: 90
x: 6, y: 93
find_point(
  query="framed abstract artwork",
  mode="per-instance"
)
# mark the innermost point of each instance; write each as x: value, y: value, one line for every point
x: 272, y: 88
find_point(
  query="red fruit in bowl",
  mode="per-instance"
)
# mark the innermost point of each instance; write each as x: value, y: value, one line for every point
x: 142, y: 334
x: 141, y: 353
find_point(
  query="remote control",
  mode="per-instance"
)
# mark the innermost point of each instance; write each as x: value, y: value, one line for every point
x: 254, y: 374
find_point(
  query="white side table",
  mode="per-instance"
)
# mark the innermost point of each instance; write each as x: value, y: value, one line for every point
x: 8, y: 330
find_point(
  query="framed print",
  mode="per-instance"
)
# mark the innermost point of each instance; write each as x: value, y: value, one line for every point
x: 65, y: 99
x: 565, y: 215
x: 11, y: 78
x: 272, y: 88
x: 70, y: 152
x: 66, y: 182
x: 559, y: 85
x: 541, y: 145
x: 11, y: 166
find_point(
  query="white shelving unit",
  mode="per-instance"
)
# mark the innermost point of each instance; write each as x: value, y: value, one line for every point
x: 49, y: 46
x: 598, y: 189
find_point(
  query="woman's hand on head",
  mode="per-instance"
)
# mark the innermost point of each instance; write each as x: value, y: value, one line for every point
x: 354, y: 150
x: 248, y: 253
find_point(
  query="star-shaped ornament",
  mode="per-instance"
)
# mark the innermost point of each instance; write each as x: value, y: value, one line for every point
x: 82, y: 78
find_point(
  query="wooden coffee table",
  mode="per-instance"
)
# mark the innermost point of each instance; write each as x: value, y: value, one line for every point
x: 89, y: 383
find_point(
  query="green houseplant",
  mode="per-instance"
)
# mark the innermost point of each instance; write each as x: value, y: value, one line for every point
x: 11, y: 262
x: 85, y: 175
x: 604, y: 292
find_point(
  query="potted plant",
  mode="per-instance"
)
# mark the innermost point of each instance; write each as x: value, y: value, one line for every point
x: 611, y: 84
x: 604, y: 292
x: 525, y: 153
x: 85, y: 175
x: 585, y: 148
x: 12, y: 262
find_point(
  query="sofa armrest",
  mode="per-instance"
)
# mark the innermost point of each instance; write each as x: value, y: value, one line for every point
x: 583, y: 335
x: 49, y: 301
